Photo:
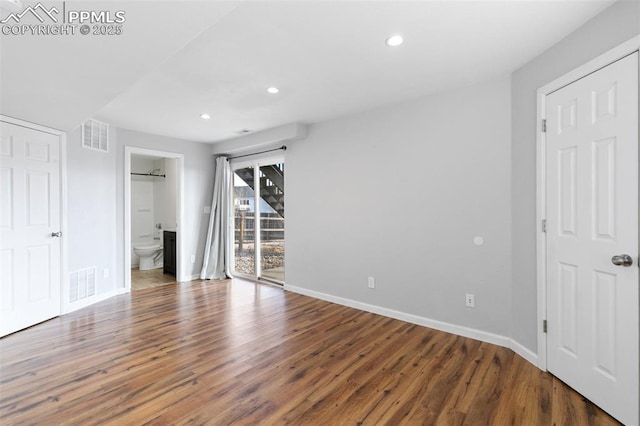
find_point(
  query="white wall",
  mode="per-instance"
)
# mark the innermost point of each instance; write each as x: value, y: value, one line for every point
x: 142, y: 220
x: 91, y: 193
x: 399, y: 193
x: 198, y: 186
x: 613, y: 26
x: 142, y: 205
x: 164, y: 193
x: 142, y: 202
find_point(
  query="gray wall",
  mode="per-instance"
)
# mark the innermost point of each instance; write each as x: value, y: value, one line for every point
x: 91, y: 218
x: 612, y: 27
x: 95, y: 193
x: 399, y: 193
x: 198, y: 189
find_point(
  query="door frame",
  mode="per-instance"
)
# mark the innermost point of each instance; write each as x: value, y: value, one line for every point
x: 65, y: 306
x: 241, y: 164
x: 618, y: 52
x: 181, y: 262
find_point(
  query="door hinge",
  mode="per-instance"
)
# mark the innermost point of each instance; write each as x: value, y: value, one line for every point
x: 544, y: 225
x: 544, y: 125
x: 544, y: 326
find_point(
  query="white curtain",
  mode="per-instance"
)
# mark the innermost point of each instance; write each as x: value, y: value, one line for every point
x: 216, y: 256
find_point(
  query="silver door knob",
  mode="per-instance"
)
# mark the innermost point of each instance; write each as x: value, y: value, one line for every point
x: 56, y: 234
x: 622, y: 260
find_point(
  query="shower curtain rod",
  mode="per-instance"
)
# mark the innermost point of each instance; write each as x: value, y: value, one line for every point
x: 148, y: 174
x: 283, y: 148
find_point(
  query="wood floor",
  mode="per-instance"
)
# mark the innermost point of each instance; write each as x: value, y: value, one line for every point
x: 234, y: 352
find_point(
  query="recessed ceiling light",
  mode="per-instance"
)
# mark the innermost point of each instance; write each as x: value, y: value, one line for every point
x: 205, y: 116
x: 394, y: 40
x: 273, y: 90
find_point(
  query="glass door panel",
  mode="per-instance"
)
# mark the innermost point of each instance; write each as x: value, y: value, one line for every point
x: 243, y: 221
x: 271, y: 227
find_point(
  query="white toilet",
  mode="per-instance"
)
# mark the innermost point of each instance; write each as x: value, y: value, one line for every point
x: 147, y: 254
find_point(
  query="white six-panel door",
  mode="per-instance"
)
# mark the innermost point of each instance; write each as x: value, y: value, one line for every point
x: 29, y: 215
x: 592, y: 216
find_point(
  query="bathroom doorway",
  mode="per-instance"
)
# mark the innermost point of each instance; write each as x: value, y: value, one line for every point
x: 153, y: 214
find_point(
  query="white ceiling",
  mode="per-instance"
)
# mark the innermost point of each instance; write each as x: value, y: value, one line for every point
x: 179, y: 59
x: 60, y: 81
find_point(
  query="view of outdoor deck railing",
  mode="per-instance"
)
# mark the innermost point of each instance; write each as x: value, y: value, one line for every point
x: 272, y: 243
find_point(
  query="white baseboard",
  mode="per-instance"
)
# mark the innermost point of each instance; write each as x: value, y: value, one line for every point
x: 525, y: 353
x: 72, y: 307
x: 459, y: 330
x: 188, y: 278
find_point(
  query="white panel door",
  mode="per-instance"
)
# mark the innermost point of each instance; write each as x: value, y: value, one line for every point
x: 29, y: 214
x: 592, y: 216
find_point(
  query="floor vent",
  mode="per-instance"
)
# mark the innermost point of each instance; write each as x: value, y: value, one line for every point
x: 82, y: 284
x: 95, y: 135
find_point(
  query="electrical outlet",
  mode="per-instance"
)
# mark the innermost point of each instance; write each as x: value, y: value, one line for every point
x: 470, y: 300
x: 372, y: 282
x: 193, y: 258
x: 105, y: 273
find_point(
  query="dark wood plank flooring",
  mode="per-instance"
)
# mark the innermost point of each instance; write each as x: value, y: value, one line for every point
x: 235, y: 352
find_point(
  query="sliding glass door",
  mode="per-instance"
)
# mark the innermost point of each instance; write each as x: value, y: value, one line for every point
x: 258, y: 221
x: 244, y: 212
x: 272, y: 221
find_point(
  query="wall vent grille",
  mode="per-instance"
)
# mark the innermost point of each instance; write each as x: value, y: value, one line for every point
x: 95, y: 135
x: 82, y: 284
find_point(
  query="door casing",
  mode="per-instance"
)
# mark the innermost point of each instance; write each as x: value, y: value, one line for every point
x: 601, y: 61
x: 181, y: 264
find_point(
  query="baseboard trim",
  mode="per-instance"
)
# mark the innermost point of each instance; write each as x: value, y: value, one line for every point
x: 72, y: 307
x: 524, y: 352
x: 459, y: 330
